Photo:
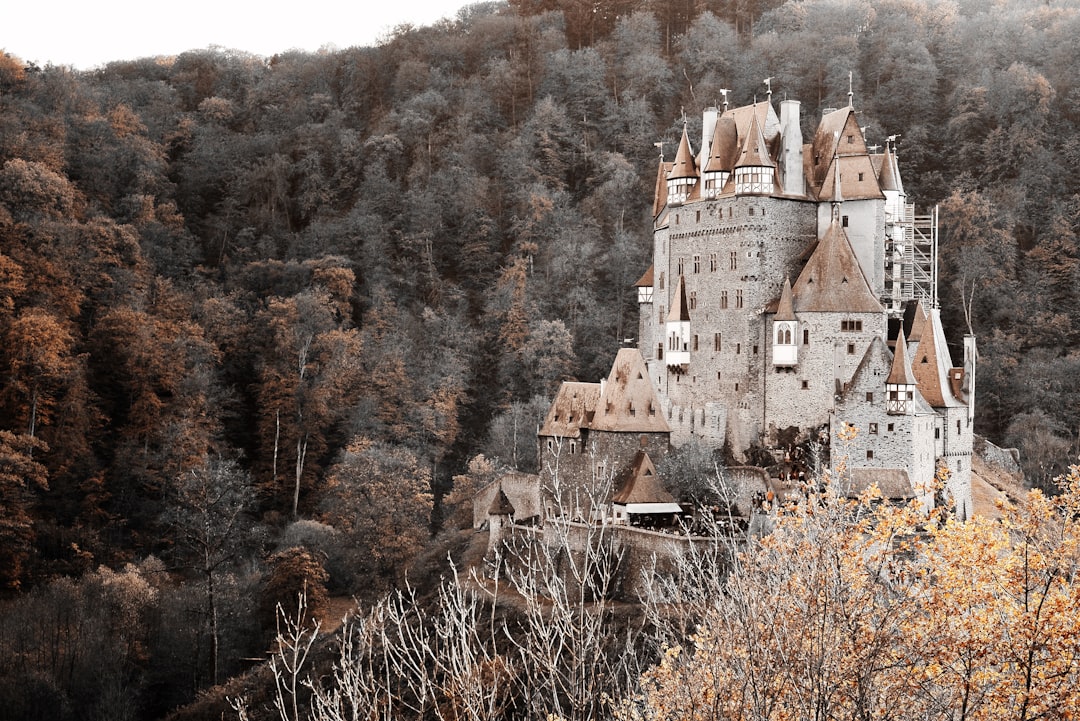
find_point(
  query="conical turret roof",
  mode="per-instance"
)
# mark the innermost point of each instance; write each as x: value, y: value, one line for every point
x: 680, y: 309
x: 684, y: 166
x: 889, y: 177
x: 754, y: 151
x: 900, y: 373
x: 785, y: 310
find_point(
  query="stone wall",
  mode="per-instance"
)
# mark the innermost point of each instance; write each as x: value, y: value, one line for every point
x: 1007, y: 459
x: 637, y: 554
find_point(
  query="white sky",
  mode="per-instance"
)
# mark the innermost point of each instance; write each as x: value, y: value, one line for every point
x: 88, y: 33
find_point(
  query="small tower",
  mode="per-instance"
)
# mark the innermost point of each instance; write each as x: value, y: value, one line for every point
x: 500, y: 517
x: 755, y: 171
x: 718, y: 165
x: 678, y: 329
x: 900, y: 385
x: 683, y: 174
x: 785, y: 331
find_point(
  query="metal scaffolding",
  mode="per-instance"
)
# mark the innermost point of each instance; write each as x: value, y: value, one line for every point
x: 911, y: 258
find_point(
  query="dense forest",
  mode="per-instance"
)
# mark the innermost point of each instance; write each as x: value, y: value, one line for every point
x: 257, y: 314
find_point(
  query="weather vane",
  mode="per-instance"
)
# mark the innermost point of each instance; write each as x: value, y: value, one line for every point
x: 768, y: 86
x: 724, y: 92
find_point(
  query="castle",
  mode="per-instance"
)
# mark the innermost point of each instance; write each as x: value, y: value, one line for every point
x: 792, y: 290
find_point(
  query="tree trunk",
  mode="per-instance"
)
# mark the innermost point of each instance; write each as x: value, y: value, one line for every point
x: 301, y: 455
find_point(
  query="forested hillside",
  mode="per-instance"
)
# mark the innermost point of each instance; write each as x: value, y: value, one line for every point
x: 256, y: 313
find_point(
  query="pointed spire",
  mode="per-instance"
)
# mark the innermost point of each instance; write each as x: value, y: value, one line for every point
x: 838, y: 195
x: 754, y: 151
x: 786, y: 309
x: 684, y: 166
x: 900, y: 373
x: 680, y: 309
x: 915, y: 334
x: 889, y: 177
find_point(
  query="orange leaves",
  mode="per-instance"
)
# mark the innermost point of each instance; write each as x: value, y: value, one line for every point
x: 862, y: 611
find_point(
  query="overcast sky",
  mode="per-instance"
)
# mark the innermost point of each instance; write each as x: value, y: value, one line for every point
x: 88, y: 33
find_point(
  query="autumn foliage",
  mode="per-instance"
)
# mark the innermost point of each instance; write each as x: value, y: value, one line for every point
x: 855, y: 610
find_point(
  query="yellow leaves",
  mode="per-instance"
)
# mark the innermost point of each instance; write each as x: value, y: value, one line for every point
x: 891, y: 615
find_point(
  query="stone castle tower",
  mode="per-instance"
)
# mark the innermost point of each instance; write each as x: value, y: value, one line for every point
x: 793, y: 289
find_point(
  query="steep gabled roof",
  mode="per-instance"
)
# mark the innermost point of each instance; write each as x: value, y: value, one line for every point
x: 832, y: 280
x: 680, y: 309
x: 858, y: 179
x: 684, y: 165
x: 571, y: 410
x: 628, y: 401
x: 839, y: 147
x: 640, y: 484
x: 900, y: 373
x: 931, y: 365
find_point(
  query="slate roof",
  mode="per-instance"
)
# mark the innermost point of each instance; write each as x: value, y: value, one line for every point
x: 931, y: 365
x: 725, y: 146
x: 660, y: 197
x: 680, y: 309
x: 754, y: 152
x: 571, y: 410
x: 501, y: 505
x: 900, y: 373
x: 830, y: 152
x: 684, y: 165
x: 889, y: 177
x: 832, y: 280
x: 628, y: 401
x: 646, y: 279
x: 785, y: 310
x: 640, y: 484
x: 894, y: 483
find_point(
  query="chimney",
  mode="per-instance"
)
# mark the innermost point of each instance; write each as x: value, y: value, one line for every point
x: 708, y: 125
x: 791, y: 153
x: 970, y: 357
